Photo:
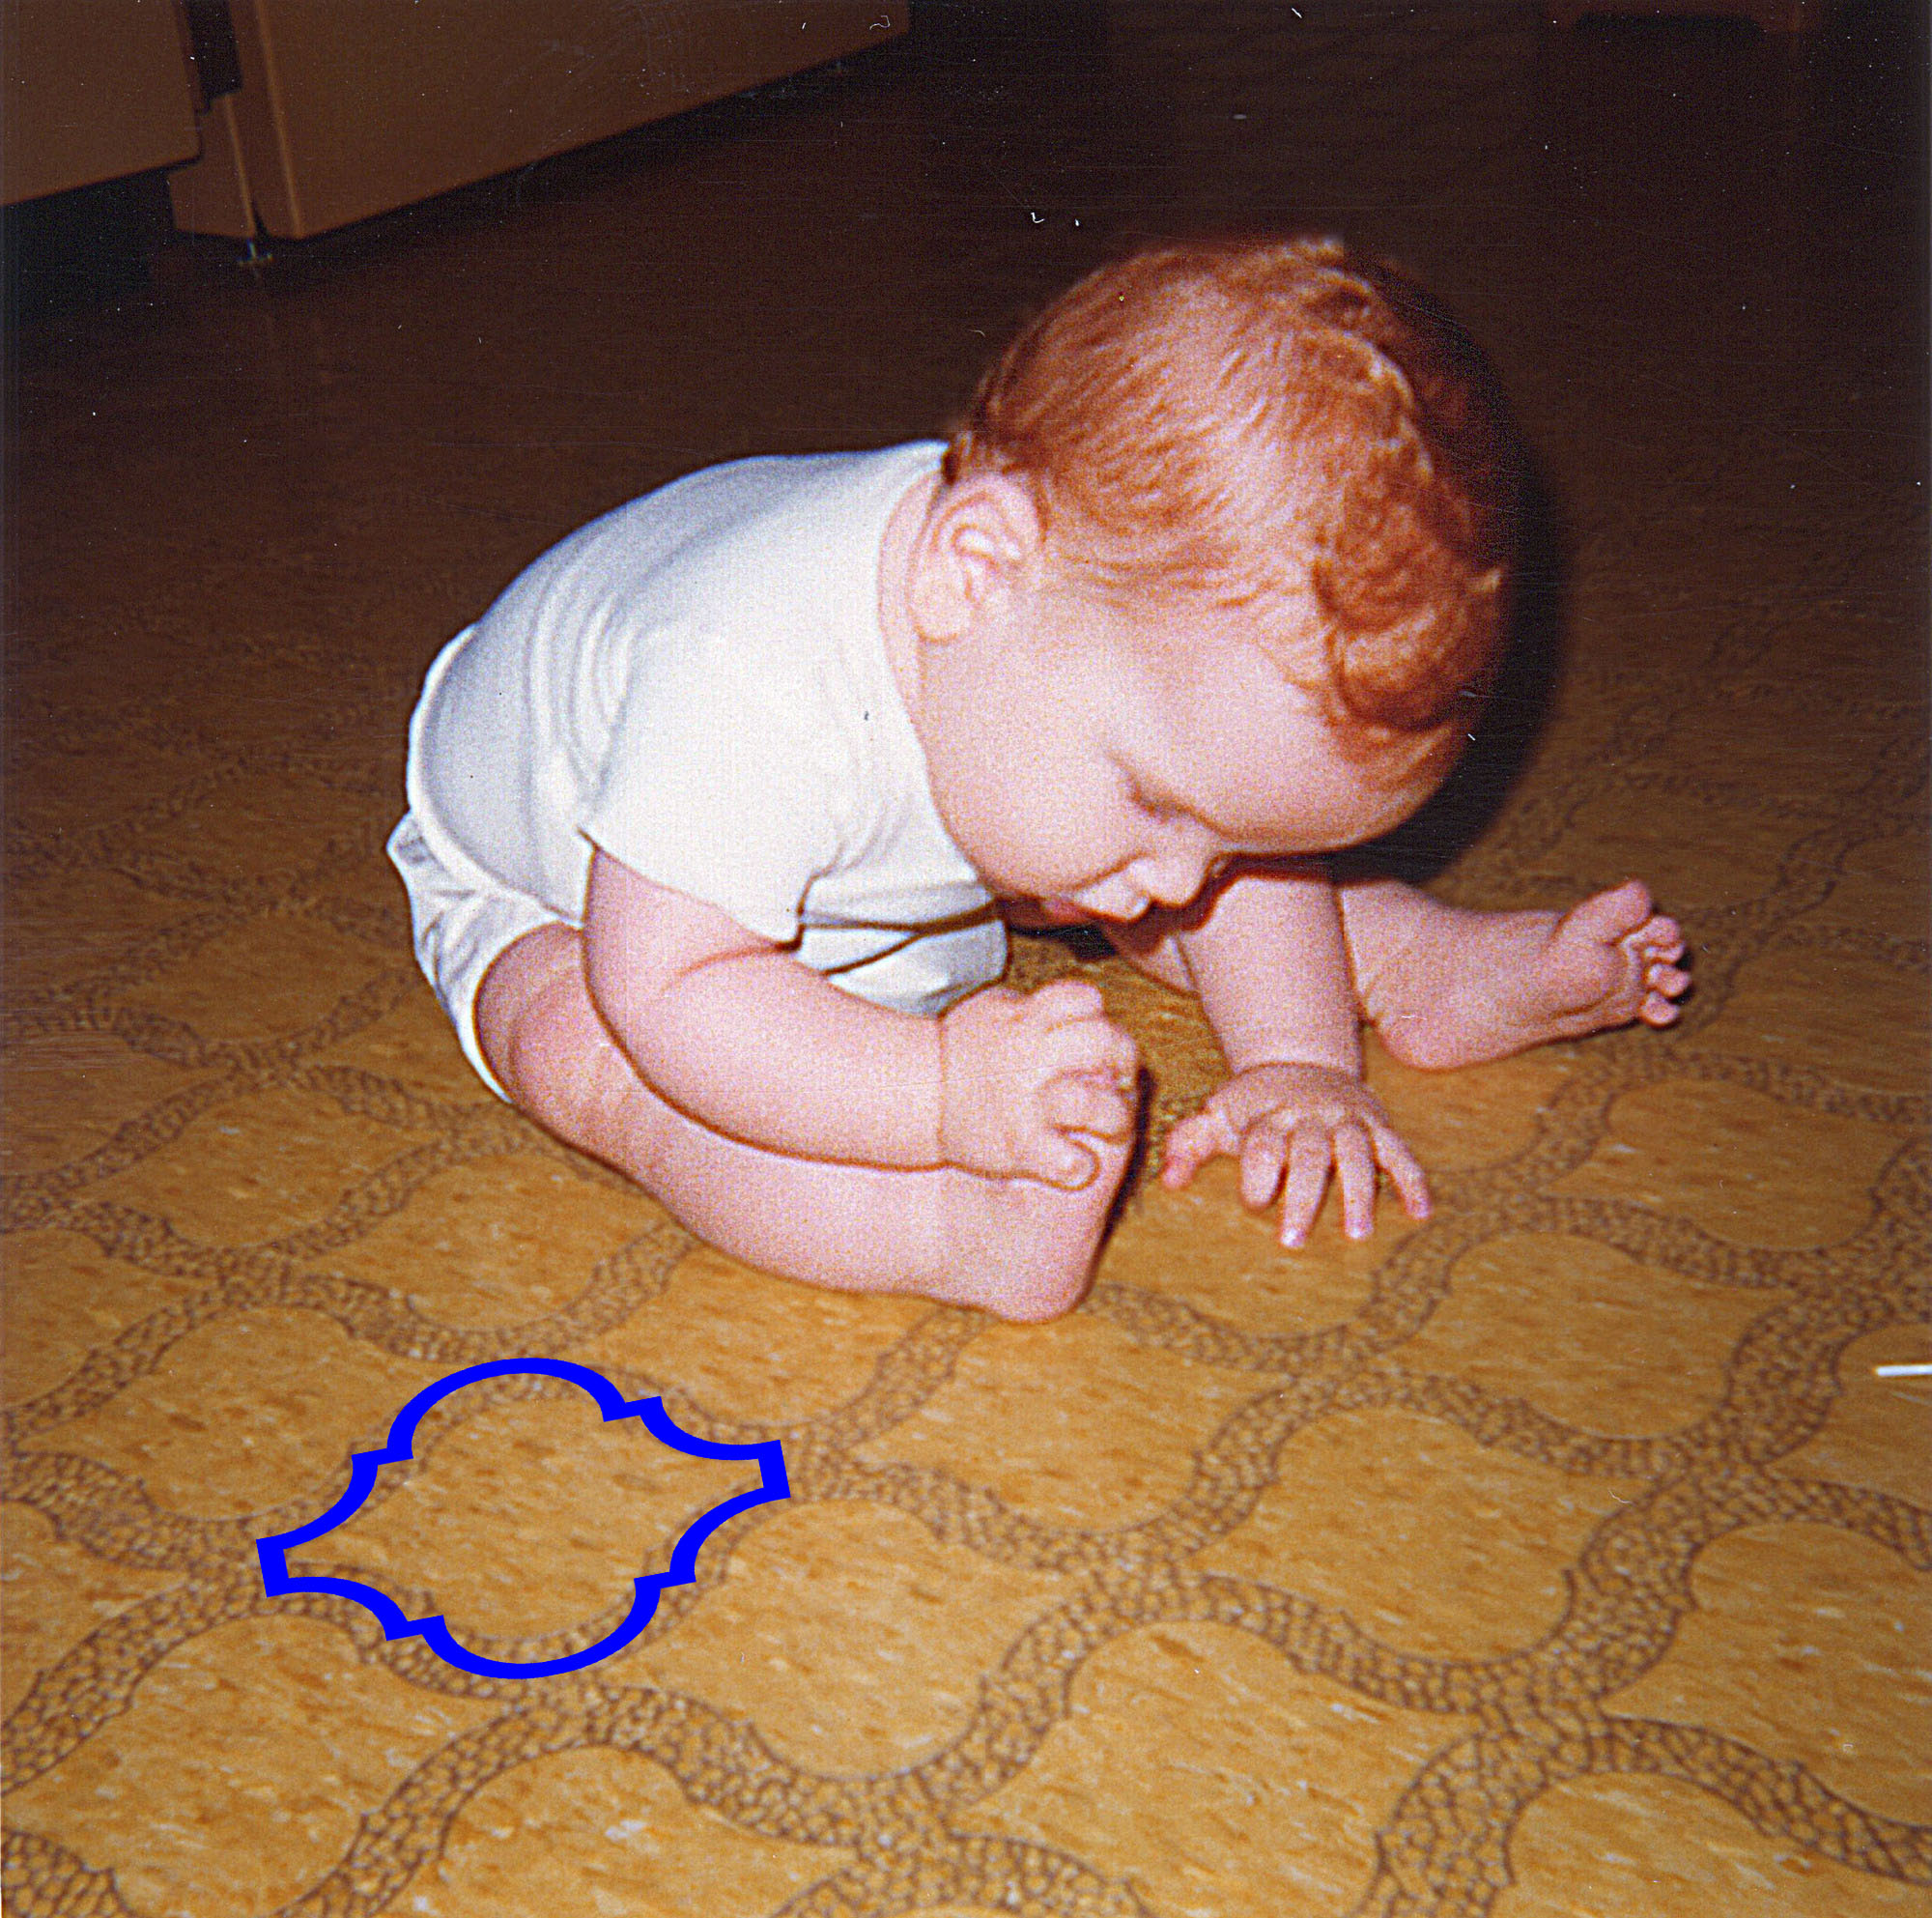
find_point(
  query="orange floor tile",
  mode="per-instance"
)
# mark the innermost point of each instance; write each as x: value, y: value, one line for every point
x: 1564, y: 1557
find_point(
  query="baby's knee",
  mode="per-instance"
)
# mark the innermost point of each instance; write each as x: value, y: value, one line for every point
x: 533, y: 1014
x: 1041, y: 1300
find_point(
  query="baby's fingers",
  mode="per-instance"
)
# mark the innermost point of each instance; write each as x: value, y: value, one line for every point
x: 1356, y: 1177
x: 1066, y: 1000
x: 1405, y: 1171
x: 1088, y: 1102
x: 1191, y: 1144
x: 1311, y: 1158
x: 1057, y: 1158
x: 1093, y: 1046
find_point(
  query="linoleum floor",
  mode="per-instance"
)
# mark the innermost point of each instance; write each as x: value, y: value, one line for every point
x: 1564, y: 1557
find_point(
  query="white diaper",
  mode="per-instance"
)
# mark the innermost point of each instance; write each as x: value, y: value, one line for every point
x: 463, y: 920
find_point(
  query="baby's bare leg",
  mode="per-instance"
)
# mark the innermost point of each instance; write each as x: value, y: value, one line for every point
x: 1015, y: 1247
x: 1447, y: 986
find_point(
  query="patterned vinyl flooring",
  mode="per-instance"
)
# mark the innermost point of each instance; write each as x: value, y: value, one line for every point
x: 1564, y: 1556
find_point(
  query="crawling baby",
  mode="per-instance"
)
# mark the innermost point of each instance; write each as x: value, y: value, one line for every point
x: 718, y: 816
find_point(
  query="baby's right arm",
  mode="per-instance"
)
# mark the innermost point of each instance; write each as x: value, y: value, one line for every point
x: 739, y: 1034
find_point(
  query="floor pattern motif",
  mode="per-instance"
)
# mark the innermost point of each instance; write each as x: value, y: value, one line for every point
x: 1563, y: 1555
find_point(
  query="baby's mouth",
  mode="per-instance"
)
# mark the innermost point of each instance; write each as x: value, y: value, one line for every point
x: 1118, y: 907
x: 1063, y: 912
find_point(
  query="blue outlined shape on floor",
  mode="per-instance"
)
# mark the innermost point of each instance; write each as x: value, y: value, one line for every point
x: 649, y: 1586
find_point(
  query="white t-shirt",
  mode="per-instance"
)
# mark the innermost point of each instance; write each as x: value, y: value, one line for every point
x: 698, y: 684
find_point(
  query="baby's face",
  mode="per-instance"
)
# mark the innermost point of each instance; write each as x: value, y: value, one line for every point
x: 1094, y: 761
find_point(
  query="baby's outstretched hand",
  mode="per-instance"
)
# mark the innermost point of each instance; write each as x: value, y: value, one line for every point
x: 1022, y: 1075
x: 1302, y: 1124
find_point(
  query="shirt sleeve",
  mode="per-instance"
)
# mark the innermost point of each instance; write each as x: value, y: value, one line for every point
x: 721, y: 784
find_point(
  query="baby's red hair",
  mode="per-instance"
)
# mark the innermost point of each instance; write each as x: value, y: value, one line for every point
x: 1253, y: 418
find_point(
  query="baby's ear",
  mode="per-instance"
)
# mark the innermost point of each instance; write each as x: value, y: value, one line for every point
x: 981, y: 539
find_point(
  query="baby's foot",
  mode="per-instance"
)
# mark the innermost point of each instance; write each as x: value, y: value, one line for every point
x: 1465, y: 987
x: 1024, y: 1250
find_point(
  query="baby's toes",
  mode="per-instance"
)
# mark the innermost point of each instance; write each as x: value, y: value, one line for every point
x: 1656, y: 1010
x: 1615, y: 918
x: 1659, y: 938
x: 1668, y: 981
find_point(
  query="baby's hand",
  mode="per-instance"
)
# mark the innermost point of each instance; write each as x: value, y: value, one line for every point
x: 1022, y: 1075
x: 1307, y: 1121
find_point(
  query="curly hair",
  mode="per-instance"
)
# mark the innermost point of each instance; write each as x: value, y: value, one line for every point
x: 1265, y: 419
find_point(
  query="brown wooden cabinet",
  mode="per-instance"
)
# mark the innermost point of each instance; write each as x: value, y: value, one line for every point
x: 352, y: 107
x: 91, y: 92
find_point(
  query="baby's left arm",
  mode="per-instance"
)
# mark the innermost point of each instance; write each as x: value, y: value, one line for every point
x: 1271, y: 963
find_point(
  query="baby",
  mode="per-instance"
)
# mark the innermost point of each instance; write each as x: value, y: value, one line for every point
x: 717, y: 815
